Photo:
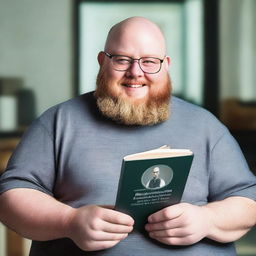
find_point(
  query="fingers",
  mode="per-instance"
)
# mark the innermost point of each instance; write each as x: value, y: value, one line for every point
x: 113, y: 224
x: 106, y: 236
x: 116, y: 228
x: 115, y: 217
x: 174, y: 236
x: 165, y: 219
x: 163, y: 225
x: 96, y: 227
x: 177, y: 232
x: 172, y: 232
x: 101, y: 226
x: 167, y: 213
x: 181, y: 224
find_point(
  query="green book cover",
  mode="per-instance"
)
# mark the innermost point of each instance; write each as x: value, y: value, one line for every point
x: 152, y: 180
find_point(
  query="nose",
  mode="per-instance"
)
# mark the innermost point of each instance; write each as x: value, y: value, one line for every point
x: 134, y: 70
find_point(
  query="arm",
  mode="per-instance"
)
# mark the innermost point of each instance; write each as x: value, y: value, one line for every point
x: 231, y: 218
x: 185, y: 224
x: 38, y: 216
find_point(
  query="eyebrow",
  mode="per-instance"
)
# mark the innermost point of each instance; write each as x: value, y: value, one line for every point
x: 143, y: 56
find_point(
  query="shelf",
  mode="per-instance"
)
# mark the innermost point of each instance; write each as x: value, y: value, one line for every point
x: 12, y: 134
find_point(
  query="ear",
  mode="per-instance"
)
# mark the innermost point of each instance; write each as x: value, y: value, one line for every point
x: 168, y: 61
x: 101, y: 56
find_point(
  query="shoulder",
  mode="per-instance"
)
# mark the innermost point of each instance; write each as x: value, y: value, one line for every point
x: 71, y: 113
x: 191, y: 111
x: 181, y: 106
x: 76, y: 103
x: 195, y: 118
x: 83, y: 104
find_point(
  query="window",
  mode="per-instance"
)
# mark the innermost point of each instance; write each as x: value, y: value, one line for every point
x: 181, y: 22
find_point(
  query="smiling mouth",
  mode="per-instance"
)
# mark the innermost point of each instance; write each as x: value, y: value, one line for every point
x: 134, y: 85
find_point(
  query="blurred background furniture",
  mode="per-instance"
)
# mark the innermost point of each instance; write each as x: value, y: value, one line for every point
x: 240, y: 117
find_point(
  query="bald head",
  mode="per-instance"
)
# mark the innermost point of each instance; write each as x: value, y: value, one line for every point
x: 125, y: 92
x: 136, y: 33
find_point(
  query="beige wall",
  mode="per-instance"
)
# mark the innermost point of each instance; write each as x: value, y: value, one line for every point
x: 36, y: 45
x: 238, y: 49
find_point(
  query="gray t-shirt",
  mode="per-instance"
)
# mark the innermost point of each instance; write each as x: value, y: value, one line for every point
x: 74, y: 153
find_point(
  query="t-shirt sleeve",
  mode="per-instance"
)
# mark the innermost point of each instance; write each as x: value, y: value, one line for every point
x: 229, y: 172
x: 32, y: 164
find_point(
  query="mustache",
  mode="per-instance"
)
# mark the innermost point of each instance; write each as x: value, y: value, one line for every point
x: 132, y: 81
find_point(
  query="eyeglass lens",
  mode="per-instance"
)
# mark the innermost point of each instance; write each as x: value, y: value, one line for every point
x: 147, y: 64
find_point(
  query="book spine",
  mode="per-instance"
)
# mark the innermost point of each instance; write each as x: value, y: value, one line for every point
x: 120, y: 183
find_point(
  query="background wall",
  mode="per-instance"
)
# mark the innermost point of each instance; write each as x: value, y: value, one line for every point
x: 36, y: 45
x: 238, y: 49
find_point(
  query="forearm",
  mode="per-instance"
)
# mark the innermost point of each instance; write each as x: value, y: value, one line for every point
x: 34, y: 215
x: 231, y: 218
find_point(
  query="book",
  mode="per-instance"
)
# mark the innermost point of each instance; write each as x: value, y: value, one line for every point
x: 152, y: 180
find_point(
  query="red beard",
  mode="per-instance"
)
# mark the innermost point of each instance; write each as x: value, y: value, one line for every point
x: 152, y: 110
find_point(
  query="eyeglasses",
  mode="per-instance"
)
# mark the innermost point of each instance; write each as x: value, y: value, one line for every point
x: 149, y: 65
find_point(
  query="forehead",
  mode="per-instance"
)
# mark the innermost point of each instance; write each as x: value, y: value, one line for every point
x: 136, y: 41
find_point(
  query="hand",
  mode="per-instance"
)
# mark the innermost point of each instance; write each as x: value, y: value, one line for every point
x: 95, y: 228
x: 180, y: 224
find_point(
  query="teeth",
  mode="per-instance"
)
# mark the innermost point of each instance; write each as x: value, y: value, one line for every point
x: 134, y: 85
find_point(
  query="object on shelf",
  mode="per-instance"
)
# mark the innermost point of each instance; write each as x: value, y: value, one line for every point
x: 8, y: 113
x: 26, y: 107
x: 10, y: 85
x: 17, y: 107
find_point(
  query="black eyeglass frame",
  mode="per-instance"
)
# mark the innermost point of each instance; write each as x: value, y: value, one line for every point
x: 132, y: 59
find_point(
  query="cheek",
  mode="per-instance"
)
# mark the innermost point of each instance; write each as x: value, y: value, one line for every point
x: 113, y: 84
x: 156, y: 81
x: 114, y: 76
x: 160, y: 85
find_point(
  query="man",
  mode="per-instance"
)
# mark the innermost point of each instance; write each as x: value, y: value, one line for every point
x: 60, y: 185
x: 155, y: 181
